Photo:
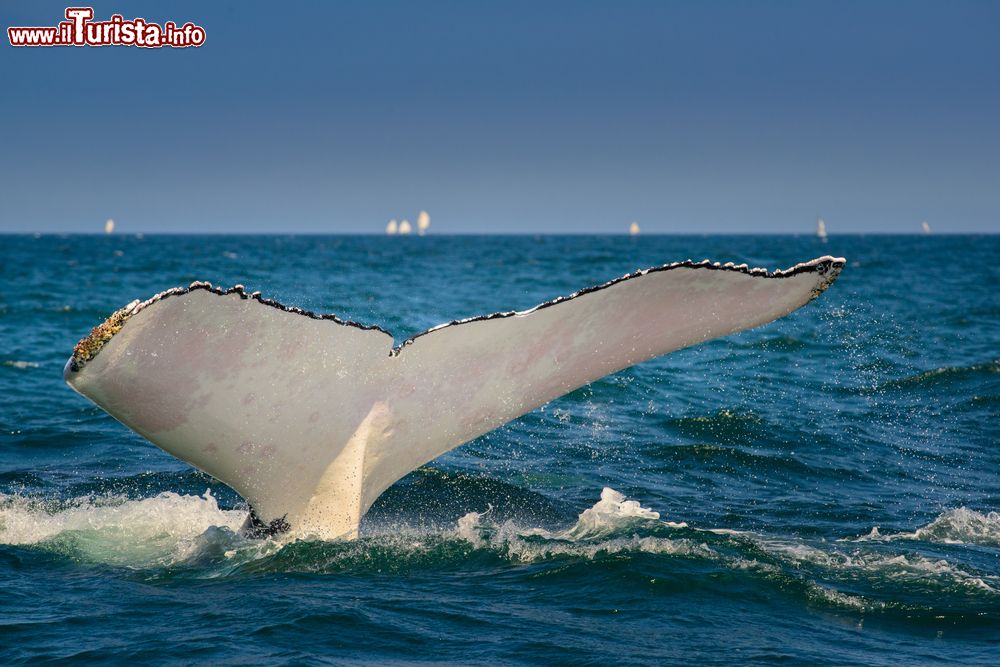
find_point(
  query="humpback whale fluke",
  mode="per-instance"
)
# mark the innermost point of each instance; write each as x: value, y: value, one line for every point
x: 310, y: 417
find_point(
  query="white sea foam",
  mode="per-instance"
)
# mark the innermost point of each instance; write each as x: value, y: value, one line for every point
x: 610, y: 514
x: 616, y: 525
x: 893, y: 566
x: 957, y: 526
x: 151, y: 531
x: 598, y: 530
x: 533, y: 545
x: 169, y: 528
x: 172, y: 528
x: 840, y: 599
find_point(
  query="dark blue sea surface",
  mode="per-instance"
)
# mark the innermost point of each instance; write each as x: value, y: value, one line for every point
x: 827, y: 486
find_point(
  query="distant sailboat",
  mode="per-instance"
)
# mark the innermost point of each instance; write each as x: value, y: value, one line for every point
x: 404, y: 227
x: 391, y: 227
x: 109, y: 226
x: 633, y: 229
x: 924, y: 226
x: 423, y: 222
x: 821, y: 229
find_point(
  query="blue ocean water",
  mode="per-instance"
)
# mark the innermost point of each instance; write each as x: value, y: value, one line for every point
x: 823, y: 490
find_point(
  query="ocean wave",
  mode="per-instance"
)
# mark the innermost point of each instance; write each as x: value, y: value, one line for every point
x: 727, y: 427
x: 943, y: 376
x: 913, y: 568
x: 730, y: 457
x: 114, y: 530
x: 956, y: 526
x: 191, y: 536
x: 171, y: 529
x: 612, y: 525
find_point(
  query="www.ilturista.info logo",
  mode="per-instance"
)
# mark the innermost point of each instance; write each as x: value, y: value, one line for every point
x: 80, y: 30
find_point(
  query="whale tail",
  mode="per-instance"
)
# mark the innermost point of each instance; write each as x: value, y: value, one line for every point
x: 310, y: 418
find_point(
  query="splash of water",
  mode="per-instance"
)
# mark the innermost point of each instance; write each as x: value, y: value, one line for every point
x: 956, y: 526
x: 116, y: 530
x: 612, y: 525
x: 194, y: 532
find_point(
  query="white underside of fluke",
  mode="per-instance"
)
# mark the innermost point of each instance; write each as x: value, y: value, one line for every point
x: 310, y: 418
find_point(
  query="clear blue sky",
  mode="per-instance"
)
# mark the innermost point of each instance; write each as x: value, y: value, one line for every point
x: 687, y: 117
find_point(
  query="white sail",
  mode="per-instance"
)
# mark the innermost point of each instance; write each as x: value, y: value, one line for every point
x: 821, y: 229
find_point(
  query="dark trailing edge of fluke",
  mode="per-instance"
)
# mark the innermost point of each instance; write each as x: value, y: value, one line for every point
x: 90, y: 346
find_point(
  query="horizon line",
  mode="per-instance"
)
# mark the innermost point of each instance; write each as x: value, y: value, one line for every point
x: 484, y: 234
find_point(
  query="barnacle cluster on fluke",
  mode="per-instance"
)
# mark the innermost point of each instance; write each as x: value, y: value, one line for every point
x: 88, y: 347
